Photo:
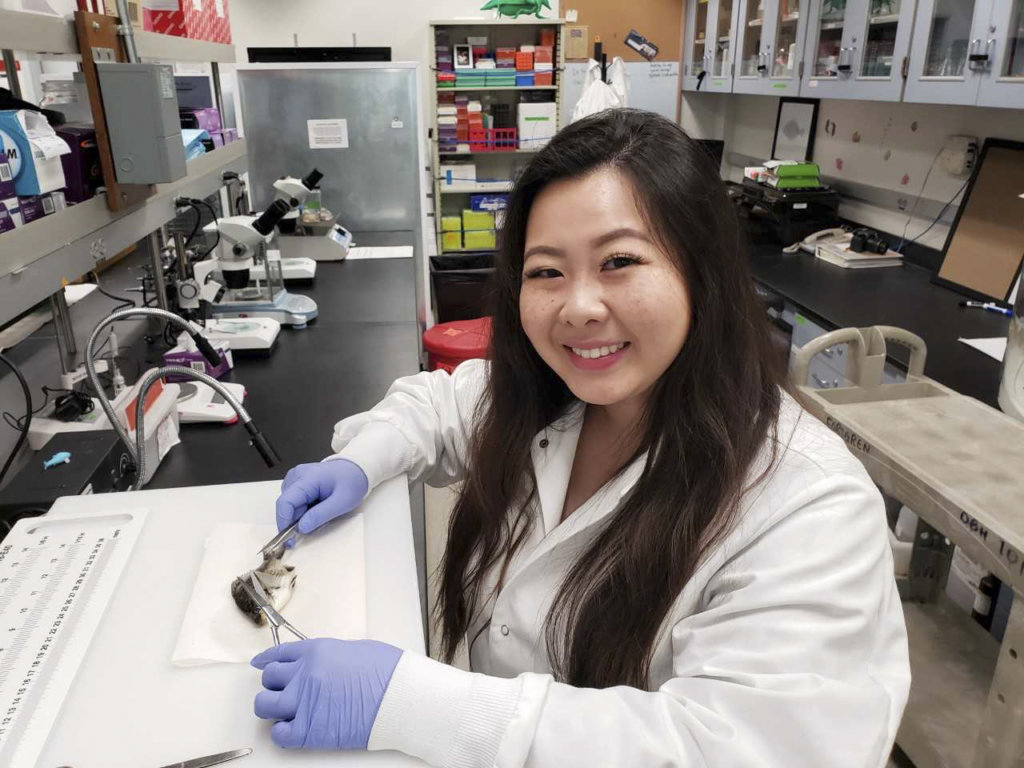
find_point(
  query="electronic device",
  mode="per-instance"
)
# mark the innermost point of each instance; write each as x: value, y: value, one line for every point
x: 141, y: 109
x: 99, y: 463
x: 786, y: 215
x: 867, y: 240
x: 200, y: 403
x: 243, y: 245
x: 831, y: 236
x: 245, y: 334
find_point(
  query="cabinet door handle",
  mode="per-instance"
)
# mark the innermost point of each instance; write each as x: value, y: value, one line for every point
x: 761, y: 66
x: 847, y: 60
x: 974, y: 56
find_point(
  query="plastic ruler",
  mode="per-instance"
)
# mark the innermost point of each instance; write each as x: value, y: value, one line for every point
x: 56, y: 578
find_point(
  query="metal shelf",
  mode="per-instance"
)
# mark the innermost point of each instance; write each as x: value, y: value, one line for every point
x: 488, y: 152
x: 499, y: 88
x: 37, y: 256
x: 152, y: 45
x: 952, y: 660
x: 496, y: 22
x: 39, y: 33
x: 471, y: 189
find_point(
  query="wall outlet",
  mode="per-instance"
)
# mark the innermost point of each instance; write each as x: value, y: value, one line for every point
x: 959, y: 155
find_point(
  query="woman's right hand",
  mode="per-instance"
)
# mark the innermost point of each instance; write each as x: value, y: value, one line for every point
x: 314, y: 494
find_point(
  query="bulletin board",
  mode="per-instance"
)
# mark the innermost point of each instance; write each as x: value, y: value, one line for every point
x: 660, y: 21
x: 986, y: 243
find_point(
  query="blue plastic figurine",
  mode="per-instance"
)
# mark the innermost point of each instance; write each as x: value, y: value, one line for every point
x: 61, y: 457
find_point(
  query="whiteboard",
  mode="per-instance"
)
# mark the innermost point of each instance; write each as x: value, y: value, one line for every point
x: 652, y: 86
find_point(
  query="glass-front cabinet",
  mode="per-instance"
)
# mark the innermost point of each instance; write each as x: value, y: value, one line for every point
x: 711, y: 26
x: 769, y: 44
x: 1003, y: 82
x: 855, y: 48
x: 968, y: 52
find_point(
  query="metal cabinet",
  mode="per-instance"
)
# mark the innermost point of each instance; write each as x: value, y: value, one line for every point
x: 855, y: 48
x: 711, y: 26
x: 968, y: 52
x: 769, y: 47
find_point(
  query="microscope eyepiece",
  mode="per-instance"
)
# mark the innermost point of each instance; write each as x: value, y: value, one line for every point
x: 311, y: 181
x: 275, y: 212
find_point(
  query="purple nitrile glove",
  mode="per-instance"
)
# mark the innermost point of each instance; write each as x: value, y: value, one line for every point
x: 324, y: 693
x: 313, y: 494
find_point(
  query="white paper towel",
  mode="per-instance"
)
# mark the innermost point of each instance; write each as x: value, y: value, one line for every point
x: 329, y: 598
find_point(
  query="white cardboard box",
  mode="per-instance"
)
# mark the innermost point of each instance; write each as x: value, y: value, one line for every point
x: 537, y: 124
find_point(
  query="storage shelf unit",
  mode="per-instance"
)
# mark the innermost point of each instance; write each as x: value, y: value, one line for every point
x: 501, y: 88
x: 38, y: 33
x: 500, y: 164
x: 37, y: 257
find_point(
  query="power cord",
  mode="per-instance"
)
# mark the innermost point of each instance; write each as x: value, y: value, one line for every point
x: 28, y: 416
x: 195, y: 203
x: 123, y: 301
x: 935, y: 221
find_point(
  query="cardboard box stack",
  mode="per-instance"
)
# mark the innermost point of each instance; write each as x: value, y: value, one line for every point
x: 31, y: 169
x: 195, y: 19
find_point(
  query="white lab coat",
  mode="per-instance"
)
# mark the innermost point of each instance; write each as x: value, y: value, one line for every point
x: 787, y: 647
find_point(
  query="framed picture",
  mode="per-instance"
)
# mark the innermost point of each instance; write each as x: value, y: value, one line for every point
x: 984, y: 252
x: 794, y: 129
x: 463, y: 57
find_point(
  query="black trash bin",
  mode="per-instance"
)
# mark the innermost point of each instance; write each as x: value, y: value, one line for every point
x: 461, y: 285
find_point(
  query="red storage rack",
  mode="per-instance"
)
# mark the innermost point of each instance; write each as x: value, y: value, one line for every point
x: 494, y: 139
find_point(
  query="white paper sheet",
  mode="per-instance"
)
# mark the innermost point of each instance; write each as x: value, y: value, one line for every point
x: 329, y: 598
x: 387, y: 252
x: 994, y: 348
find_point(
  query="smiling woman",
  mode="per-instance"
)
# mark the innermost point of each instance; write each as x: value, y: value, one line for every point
x: 655, y: 557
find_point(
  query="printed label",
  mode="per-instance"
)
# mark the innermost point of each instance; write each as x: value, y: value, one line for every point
x: 328, y: 134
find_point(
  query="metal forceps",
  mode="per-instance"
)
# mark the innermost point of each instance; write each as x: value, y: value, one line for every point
x: 254, y: 589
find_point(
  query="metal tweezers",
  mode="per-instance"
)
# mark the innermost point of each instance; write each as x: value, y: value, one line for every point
x: 275, y: 547
x: 254, y: 589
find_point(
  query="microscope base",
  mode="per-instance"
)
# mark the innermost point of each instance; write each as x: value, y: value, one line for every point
x: 287, y: 308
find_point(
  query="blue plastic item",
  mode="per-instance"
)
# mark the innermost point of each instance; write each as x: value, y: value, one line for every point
x: 61, y: 457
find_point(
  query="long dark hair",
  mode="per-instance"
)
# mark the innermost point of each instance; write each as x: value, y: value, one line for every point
x: 705, y: 422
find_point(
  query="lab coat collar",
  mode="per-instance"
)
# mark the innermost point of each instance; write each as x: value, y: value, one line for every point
x: 552, y: 467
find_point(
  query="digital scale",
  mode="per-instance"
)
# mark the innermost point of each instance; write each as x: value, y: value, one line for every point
x: 56, y: 578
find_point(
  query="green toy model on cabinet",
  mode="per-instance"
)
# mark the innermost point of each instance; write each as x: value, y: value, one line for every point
x: 516, y: 8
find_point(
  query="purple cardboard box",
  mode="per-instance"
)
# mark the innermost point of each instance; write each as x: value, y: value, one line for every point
x: 207, y: 119
x: 6, y: 222
x: 37, y: 206
x: 82, y: 172
x: 31, y: 208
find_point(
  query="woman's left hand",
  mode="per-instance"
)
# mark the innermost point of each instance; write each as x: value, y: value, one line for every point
x: 324, y: 693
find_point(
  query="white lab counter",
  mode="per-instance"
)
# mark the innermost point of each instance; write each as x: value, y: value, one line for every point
x: 130, y: 708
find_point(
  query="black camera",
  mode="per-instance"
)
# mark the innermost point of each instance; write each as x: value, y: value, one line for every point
x: 868, y: 240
